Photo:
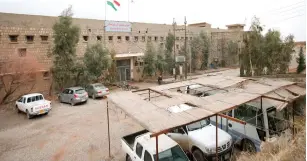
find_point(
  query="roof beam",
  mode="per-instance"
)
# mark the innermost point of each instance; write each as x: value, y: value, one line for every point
x: 232, y: 118
x: 276, y: 99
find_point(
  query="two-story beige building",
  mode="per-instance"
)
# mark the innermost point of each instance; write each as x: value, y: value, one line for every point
x: 21, y: 35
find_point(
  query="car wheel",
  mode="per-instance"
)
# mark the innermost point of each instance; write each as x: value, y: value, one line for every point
x: 18, y: 111
x: 29, y: 116
x: 128, y: 158
x: 249, y: 146
x: 72, y: 102
x: 198, y: 155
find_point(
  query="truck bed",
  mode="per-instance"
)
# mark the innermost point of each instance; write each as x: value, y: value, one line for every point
x: 129, y: 139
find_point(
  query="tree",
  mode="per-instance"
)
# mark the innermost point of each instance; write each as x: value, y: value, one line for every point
x: 301, y: 62
x: 160, y: 61
x: 169, y: 59
x: 112, y: 70
x: 149, y: 60
x: 18, y: 77
x: 96, y: 61
x: 196, y: 47
x: 268, y: 54
x: 66, y: 36
x: 204, y: 50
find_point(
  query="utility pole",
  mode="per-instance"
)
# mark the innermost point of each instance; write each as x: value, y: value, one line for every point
x: 174, y: 30
x: 185, y: 49
x: 185, y: 34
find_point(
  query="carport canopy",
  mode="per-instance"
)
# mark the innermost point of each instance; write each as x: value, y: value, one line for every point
x: 178, y: 109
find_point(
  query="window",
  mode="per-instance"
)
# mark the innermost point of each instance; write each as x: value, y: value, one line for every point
x: 177, y: 46
x: 30, y: 38
x: 161, y: 38
x: 156, y: 38
x: 85, y: 38
x: 178, y: 131
x: 175, y: 153
x: 136, y: 38
x: 66, y: 91
x: 119, y: 38
x: 250, y: 114
x: 143, y: 38
x: 29, y: 100
x: 110, y: 38
x: 22, y: 52
x: 13, y: 38
x: 182, y: 38
x: 70, y: 91
x: 139, y: 150
x: 46, y: 75
x: 177, y: 38
x: 89, y: 30
x: 33, y: 99
x: 20, y: 99
x: 127, y: 38
x: 191, y: 38
x: 149, y: 38
x: 38, y: 97
x: 147, y: 156
x: 99, y: 38
x: 44, y: 38
x: 161, y: 44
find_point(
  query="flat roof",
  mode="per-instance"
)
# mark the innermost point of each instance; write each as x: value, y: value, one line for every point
x: 156, y: 117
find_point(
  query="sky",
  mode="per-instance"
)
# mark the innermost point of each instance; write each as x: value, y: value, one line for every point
x: 287, y: 16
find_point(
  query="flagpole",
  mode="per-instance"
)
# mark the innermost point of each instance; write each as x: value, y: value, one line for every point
x: 104, y: 23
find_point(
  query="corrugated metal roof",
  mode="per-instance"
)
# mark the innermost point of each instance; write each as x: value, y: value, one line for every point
x: 155, y: 116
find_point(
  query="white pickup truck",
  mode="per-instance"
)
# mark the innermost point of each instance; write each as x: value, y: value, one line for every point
x: 140, y: 146
x: 33, y: 104
x: 199, y: 139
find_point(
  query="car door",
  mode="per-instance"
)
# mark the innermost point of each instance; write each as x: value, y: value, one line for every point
x: 70, y: 95
x: 181, y: 137
x: 19, y: 103
x: 63, y: 95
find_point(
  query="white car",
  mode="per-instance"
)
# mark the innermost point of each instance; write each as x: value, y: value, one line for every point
x: 199, y: 139
x: 140, y: 146
x: 33, y: 104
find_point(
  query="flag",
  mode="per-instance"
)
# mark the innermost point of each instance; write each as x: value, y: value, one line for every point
x: 112, y: 4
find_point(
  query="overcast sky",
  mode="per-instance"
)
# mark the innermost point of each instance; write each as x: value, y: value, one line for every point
x: 288, y: 16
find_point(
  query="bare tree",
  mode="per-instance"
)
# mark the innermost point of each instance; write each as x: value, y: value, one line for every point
x: 17, y: 77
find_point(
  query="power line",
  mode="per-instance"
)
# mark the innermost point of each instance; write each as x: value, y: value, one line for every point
x: 289, y: 18
x: 281, y: 8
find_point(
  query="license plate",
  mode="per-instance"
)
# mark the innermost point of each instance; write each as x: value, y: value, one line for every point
x: 227, y: 156
x: 41, y: 111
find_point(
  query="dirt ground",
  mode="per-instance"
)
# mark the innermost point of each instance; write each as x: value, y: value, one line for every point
x: 76, y: 133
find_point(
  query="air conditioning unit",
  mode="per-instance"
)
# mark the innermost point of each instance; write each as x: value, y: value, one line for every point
x: 139, y: 59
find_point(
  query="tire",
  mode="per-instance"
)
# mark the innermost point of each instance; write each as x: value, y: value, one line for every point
x: 249, y: 146
x: 18, y: 111
x: 128, y: 158
x: 198, y: 155
x: 29, y: 116
x: 72, y: 103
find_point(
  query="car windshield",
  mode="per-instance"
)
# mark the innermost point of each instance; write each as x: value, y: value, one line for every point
x: 80, y: 91
x: 173, y: 154
x: 198, y: 125
x: 99, y: 86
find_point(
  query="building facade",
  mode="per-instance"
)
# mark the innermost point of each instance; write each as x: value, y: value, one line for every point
x: 21, y: 35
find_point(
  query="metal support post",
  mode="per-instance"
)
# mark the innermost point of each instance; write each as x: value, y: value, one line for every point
x: 108, y: 129
x: 216, y: 138
x: 157, y: 152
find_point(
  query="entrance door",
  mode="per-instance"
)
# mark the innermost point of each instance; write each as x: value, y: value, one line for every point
x: 123, y: 70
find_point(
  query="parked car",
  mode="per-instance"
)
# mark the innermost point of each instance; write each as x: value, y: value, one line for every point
x: 33, y: 104
x: 97, y: 90
x: 73, y: 95
x: 140, y: 146
x: 199, y: 139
